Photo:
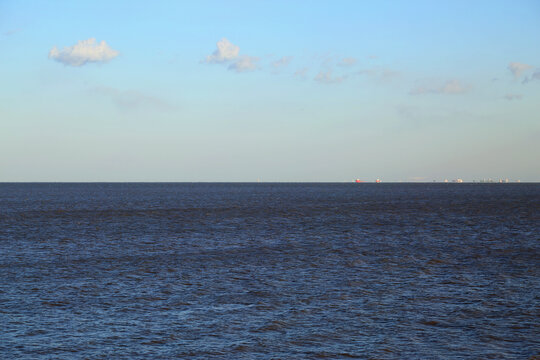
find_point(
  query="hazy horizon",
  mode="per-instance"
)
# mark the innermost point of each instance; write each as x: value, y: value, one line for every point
x: 211, y: 91
x: 446, y: 181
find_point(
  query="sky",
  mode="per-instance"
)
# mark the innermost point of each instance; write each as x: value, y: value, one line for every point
x: 269, y: 90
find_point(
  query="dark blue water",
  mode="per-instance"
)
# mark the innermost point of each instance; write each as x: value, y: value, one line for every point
x: 269, y: 271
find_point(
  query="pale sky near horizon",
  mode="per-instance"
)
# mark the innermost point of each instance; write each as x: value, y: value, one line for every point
x: 269, y: 90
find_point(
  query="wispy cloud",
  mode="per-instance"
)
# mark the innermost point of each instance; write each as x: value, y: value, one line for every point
x: 326, y: 77
x: 282, y: 62
x: 301, y: 73
x: 348, y: 61
x: 244, y: 63
x: 535, y: 76
x: 85, y: 51
x: 450, y: 87
x: 131, y: 99
x: 517, y: 69
x: 228, y: 53
x: 511, y: 97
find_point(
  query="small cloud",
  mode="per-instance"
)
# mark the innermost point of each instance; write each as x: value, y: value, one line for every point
x: 301, y: 73
x: 132, y: 99
x: 450, y: 87
x: 517, y: 69
x: 85, y: 51
x: 226, y: 51
x: 284, y: 61
x: 372, y: 57
x: 244, y: 63
x: 535, y: 76
x: 511, y: 97
x: 349, y: 61
x: 327, y: 78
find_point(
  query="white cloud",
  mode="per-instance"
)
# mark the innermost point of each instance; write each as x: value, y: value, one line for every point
x: 244, y: 63
x: 450, y: 87
x: 513, y: 97
x: 226, y: 51
x: 85, y: 51
x: 284, y: 61
x: 517, y: 69
x: 349, y: 61
x: 327, y: 78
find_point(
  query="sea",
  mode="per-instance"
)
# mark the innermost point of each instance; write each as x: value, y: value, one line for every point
x: 269, y: 271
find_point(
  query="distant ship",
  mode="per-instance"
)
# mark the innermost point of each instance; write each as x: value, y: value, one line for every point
x: 361, y: 181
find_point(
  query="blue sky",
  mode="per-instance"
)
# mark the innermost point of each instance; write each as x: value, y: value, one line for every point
x: 270, y: 90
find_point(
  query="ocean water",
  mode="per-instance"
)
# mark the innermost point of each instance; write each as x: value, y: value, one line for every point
x: 269, y: 271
